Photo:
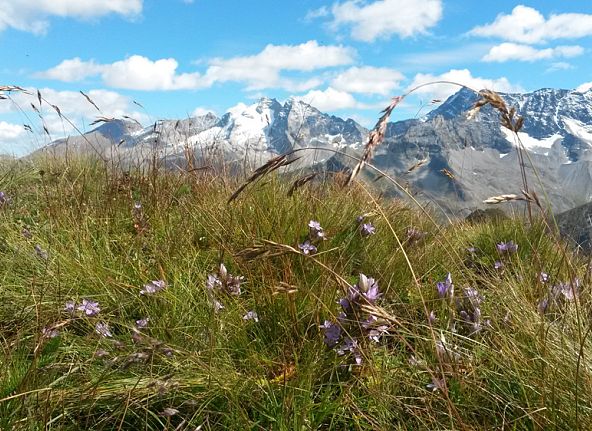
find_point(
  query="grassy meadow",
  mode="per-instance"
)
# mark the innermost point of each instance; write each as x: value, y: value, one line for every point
x: 115, y: 312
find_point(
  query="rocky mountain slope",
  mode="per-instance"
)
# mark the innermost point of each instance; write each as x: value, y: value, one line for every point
x: 464, y: 161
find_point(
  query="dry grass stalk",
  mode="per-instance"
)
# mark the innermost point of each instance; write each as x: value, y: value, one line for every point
x: 300, y: 182
x: 417, y: 165
x: 271, y: 165
x: 375, y: 137
x: 90, y: 100
x: 503, y: 198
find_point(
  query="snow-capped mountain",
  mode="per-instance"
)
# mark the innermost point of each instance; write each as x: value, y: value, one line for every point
x: 463, y: 161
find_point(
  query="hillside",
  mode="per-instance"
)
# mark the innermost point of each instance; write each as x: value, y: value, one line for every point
x: 143, y: 300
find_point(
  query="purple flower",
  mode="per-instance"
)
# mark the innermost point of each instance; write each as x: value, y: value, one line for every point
x: 332, y: 333
x: 101, y: 353
x: 360, y: 219
x: 90, y: 308
x: 350, y: 346
x: 543, y: 305
x: 137, y: 206
x: 445, y: 287
x: 251, y: 315
x: 432, y: 317
x: 4, y: 199
x: 103, y: 330
x: 307, y: 247
x: 498, y: 265
x: 142, y: 323
x: 437, y: 384
x: 507, y: 247
x: 315, y: 230
x: 472, y: 250
x: 544, y: 277
x: 372, y: 294
x: 213, y: 282
x: 26, y: 233
x: 42, y: 254
x: 70, y: 306
x: 367, y: 229
x: 217, y: 305
x: 153, y: 287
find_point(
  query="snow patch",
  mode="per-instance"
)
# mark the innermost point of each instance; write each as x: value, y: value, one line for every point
x: 578, y: 129
x: 530, y: 143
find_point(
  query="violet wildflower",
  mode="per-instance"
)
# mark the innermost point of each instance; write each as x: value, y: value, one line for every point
x: 507, y: 247
x: 350, y: 346
x: 153, y: 287
x: 315, y: 230
x: 42, y: 254
x: 217, y: 305
x: 468, y: 307
x: 498, y: 265
x: 307, y: 248
x: 101, y: 353
x: 4, y: 199
x: 544, y: 277
x: 445, y: 287
x: 251, y: 315
x: 90, y: 308
x: 432, y: 317
x: 142, y: 323
x: 332, y: 333
x: 103, y: 330
x: 225, y: 282
x: 360, y: 219
x: 367, y: 229
x: 70, y: 307
x: 26, y: 233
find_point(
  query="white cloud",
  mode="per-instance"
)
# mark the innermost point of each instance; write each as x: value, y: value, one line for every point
x: 200, y: 110
x: 133, y: 73
x: 383, y: 18
x: 10, y: 132
x: 317, y: 13
x: 560, y: 65
x: 528, y: 25
x: 263, y: 69
x: 463, y: 77
x: 259, y: 71
x: 72, y: 70
x: 12, y: 136
x: 141, y: 73
x: 368, y: 80
x: 330, y: 99
x: 513, y: 51
x: 33, y: 15
x: 586, y: 86
x: 73, y: 106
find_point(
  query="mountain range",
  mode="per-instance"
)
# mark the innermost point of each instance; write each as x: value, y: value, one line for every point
x: 459, y: 161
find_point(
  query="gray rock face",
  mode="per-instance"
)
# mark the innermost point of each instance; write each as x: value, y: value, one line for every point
x: 462, y: 161
x: 575, y: 225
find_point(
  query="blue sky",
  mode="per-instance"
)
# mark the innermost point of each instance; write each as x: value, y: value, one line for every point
x: 153, y: 59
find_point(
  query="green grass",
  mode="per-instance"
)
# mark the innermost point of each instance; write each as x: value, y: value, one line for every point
x: 522, y: 371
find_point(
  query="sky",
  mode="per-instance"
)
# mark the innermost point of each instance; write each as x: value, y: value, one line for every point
x: 163, y: 59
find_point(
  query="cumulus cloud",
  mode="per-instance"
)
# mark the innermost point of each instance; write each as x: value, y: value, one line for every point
x: 512, y: 51
x: 368, y: 80
x: 527, y: 25
x: 73, y: 106
x: 330, y: 99
x: 369, y: 21
x: 263, y: 69
x: 200, y: 110
x: 11, y: 136
x: 133, y: 73
x: 33, y: 15
x: 586, y: 86
x: 460, y: 76
x: 259, y: 71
